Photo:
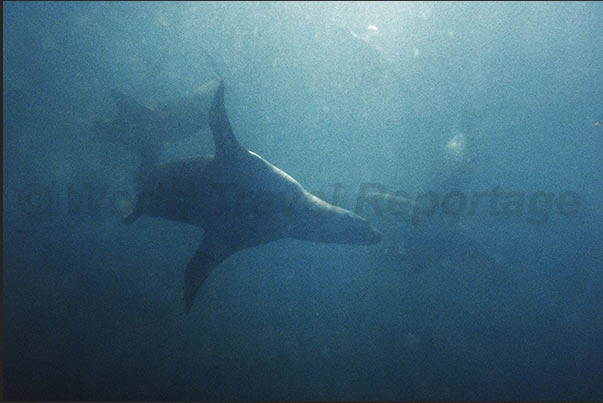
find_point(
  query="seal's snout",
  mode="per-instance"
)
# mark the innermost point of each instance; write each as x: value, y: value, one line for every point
x: 375, y: 236
x: 366, y: 234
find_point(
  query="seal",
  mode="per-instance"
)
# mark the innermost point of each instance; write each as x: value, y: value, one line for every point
x: 143, y: 130
x: 241, y: 201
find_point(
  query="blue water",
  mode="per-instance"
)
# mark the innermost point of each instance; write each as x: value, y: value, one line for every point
x: 504, y: 302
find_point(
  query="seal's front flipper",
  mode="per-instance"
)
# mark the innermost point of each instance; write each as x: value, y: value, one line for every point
x: 210, y: 253
x: 226, y: 143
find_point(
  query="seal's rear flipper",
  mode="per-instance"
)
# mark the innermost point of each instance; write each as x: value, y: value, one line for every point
x: 210, y: 253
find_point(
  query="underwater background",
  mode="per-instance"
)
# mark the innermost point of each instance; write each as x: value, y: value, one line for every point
x: 498, y: 302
